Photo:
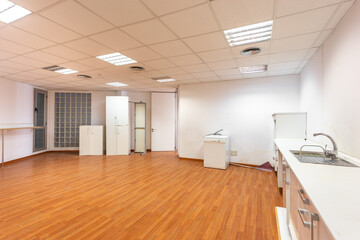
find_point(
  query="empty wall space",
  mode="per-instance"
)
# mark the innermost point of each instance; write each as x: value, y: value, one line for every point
x: 330, y: 85
x: 16, y: 107
x: 243, y: 108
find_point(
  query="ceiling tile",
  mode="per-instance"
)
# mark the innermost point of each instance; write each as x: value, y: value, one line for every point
x: 161, y: 7
x: 173, y: 71
x: 5, y: 55
x: 217, y: 55
x: 159, y: 64
x: 29, y: 61
x: 34, y: 5
x: 65, y: 52
x: 237, y: 13
x: 116, y: 39
x: 95, y: 63
x: 149, y: 32
x: 73, y: 16
x: 207, y: 42
x: 287, y: 7
x: 118, y: 12
x: 183, y: 77
x: 172, y: 48
x: 76, y: 66
x: 45, y: 28
x: 203, y: 75
x: 322, y: 37
x: 185, y: 60
x: 141, y: 54
x: 288, y: 56
x: 19, y: 36
x: 293, y: 43
x: 264, y: 46
x: 88, y: 46
x: 232, y: 77
x: 311, y: 53
x: 210, y: 79
x: 228, y: 64
x: 340, y: 12
x: 281, y: 72
x: 301, y: 23
x: 45, y: 57
x: 226, y: 72
x: 15, y: 65
x: 192, y: 21
x: 282, y: 66
x: 5, y: 70
x: 196, y: 68
x: 151, y: 74
x: 253, y: 60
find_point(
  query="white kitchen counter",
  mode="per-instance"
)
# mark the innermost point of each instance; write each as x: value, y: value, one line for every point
x: 334, y: 190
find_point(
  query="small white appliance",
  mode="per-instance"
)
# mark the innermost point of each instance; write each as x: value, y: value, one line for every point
x: 216, y: 151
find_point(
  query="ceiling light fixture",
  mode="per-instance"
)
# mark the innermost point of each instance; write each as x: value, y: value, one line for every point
x: 254, y: 69
x: 66, y: 71
x: 10, y: 12
x: 164, y: 79
x: 117, y: 84
x: 116, y: 58
x: 258, y: 32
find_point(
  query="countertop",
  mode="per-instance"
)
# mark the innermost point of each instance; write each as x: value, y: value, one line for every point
x: 334, y: 190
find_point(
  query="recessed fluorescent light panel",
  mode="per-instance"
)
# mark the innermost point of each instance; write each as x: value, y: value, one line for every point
x: 258, y: 32
x: 117, y: 84
x: 66, y: 71
x: 10, y: 12
x: 164, y: 79
x: 116, y: 58
x: 254, y: 69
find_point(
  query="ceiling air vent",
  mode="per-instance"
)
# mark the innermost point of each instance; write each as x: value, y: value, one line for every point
x: 137, y: 68
x: 250, y: 51
x: 53, y: 68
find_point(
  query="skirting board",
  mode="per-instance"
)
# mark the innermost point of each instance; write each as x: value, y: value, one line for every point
x: 283, y: 230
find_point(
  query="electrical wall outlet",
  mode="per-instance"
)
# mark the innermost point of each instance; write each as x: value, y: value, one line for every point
x: 233, y: 152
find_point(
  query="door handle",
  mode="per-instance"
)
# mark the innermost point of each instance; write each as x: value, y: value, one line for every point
x: 152, y: 130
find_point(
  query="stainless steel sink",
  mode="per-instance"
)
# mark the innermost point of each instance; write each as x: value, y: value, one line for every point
x: 319, y: 158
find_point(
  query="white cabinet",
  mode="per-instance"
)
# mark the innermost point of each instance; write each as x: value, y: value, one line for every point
x: 91, y: 140
x: 117, y: 125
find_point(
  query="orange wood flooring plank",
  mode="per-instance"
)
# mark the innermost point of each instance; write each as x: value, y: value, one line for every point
x: 154, y: 196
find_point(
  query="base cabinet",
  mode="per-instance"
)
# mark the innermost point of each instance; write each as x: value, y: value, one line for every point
x: 306, y: 221
x: 91, y: 140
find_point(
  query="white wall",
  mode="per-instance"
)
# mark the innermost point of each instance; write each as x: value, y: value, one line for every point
x: 137, y: 97
x: 16, y: 107
x: 340, y: 84
x: 243, y: 108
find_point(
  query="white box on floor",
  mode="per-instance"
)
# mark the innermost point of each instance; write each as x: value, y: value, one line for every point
x: 91, y: 140
x: 216, y: 151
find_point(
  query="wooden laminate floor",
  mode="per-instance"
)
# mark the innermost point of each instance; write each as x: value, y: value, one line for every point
x: 155, y: 196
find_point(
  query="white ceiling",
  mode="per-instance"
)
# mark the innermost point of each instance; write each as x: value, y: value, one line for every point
x: 180, y: 39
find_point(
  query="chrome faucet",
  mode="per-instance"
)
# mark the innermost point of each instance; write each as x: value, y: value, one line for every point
x: 329, y: 153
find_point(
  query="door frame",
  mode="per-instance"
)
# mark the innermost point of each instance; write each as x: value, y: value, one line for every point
x: 37, y: 90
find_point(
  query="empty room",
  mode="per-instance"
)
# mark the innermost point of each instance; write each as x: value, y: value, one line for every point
x: 179, y: 119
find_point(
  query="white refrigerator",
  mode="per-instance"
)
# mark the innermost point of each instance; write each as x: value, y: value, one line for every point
x: 287, y: 125
x: 117, y: 125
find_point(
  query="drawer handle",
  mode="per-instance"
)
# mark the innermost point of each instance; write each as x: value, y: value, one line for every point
x: 303, y: 212
x: 301, y: 193
x: 314, y: 217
